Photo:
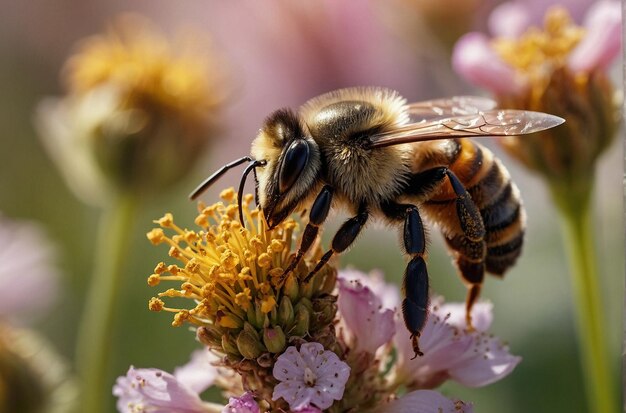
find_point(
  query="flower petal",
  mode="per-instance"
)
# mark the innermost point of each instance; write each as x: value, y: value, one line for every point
x: 361, y: 310
x: 475, y: 60
x: 489, y: 361
x: 242, y: 404
x: 425, y: 401
x: 482, y: 315
x: 603, y: 40
x: 156, y: 391
x: 199, y: 374
x: 509, y: 19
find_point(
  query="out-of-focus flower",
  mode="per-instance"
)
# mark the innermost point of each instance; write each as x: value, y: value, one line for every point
x: 370, y: 324
x: 33, y: 378
x: 156, y: 391
x: 310, y: 375
x: 28, y: 275
x: 138, y: 112
x: 243, y: 404
x: 242, y: 308
x: 559, y: 68
x: 451, y: 352
x: 425, y: 401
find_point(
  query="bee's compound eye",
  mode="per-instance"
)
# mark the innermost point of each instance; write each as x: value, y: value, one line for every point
x: 296, y: 157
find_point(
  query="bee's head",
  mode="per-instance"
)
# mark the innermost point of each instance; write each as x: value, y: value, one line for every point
x: 292, y: 165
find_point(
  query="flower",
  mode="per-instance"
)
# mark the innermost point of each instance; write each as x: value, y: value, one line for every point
x: 425, y: 401
x: 370, y: 324
x: 473, y: 358
x: 242, y: 308
x: 156, y: 391
x: 310, y: 375
x: 137, y: 114
x: 243, y: 404
x: 559, y: 68
x: 26, y: 252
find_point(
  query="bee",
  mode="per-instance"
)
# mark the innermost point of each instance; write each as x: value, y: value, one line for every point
x: 368, y: 151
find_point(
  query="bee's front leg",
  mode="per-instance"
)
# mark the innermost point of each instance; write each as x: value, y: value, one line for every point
x: 344, y: 237
x: 415, y: 282
x: 317, y: 216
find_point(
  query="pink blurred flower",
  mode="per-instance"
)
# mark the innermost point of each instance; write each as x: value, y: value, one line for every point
x: 28, y: 275
x: 158, y: 391
x: 477, y: 58
x: 425, y: 401
x: 472, y: 358
x: 369, y: 323
x: 310, y: 376
x: 242, y: 404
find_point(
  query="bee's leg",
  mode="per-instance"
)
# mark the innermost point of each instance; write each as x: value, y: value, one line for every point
x: 317, y: 216
x: 415, y: 282
x: 472, y: 246
x: 344, y: 237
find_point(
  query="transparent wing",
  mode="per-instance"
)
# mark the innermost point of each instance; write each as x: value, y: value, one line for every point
x: 489, y: 123
x: 449, y: 107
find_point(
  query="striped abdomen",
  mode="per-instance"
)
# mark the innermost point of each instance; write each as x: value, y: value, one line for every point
x: 496, y: 196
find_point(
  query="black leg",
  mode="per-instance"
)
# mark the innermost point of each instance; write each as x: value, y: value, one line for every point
x: 471, y: 246
x: 317, y: 216
x: 344, y: 237
x: 415, y: 283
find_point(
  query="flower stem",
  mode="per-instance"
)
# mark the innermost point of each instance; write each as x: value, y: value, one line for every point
x: 97, y: 326
x: 577, y: 226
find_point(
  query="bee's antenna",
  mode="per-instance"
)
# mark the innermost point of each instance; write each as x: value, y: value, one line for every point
x: 209, y: 181
x: 242, y: 184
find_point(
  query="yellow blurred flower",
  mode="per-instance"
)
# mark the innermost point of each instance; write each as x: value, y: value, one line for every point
x: 139, y: 111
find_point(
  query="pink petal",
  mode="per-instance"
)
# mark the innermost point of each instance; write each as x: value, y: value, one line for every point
x: 361, y: 310
x: 489, y: 361
x: 425, y: 401
x: 156, y: 391
x: 388, y: 293
x: 509, y: 19
x: 289, y: 366
x: 242, y: 404
x: 199, y: 373
x: 482, y: 315
x: 475, y: 60
x: 603, y: 40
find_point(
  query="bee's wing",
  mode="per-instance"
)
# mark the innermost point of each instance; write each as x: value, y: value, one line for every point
x: 489, y: 123
x: 449, y: 107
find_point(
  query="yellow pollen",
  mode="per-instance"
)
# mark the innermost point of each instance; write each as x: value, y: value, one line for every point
x: 228, y: 195
x: 166, y: 221
x: 154, y: 280
x: 268, y: 304
x: 155, y: 304
x: 264, y: 260
x: 156, y: 236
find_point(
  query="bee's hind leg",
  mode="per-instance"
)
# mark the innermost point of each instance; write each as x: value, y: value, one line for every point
x: 415, y: 282
x: 317, y: 216
x: 470, y: 246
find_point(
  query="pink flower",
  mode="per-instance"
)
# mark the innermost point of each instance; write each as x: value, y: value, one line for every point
x: 158, y: 391
x: 28, y: 275
x: 425, y: 401
x: 481, y: 61
x: 242, y: 404
x: 310, y: 376
x: 473, y: 359
x: 369, y: 323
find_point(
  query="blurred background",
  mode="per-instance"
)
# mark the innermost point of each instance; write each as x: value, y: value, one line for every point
x: 275, y: 54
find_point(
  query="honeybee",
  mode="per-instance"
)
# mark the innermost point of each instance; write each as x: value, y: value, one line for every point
x: 366, y: 150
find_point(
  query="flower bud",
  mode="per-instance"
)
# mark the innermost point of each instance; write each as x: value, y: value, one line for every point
x: 302, y: 320
x: 325, y: 310
x: 274, y: 339
x: 249, y: 343
x: 229, y: 345
x: 290, y: 288
x: 210, y: 336
x: 285, y: 312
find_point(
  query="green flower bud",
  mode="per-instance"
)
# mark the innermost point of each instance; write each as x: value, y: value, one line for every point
x: 249, y: 343
x: 210, y: 336
x: 229, y: 345
x: 325, y: 310
x: 302, y: 320
x: 290, y: 288
x: 274, y: 339
x: 285, y: 312
x: 330, y: 280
